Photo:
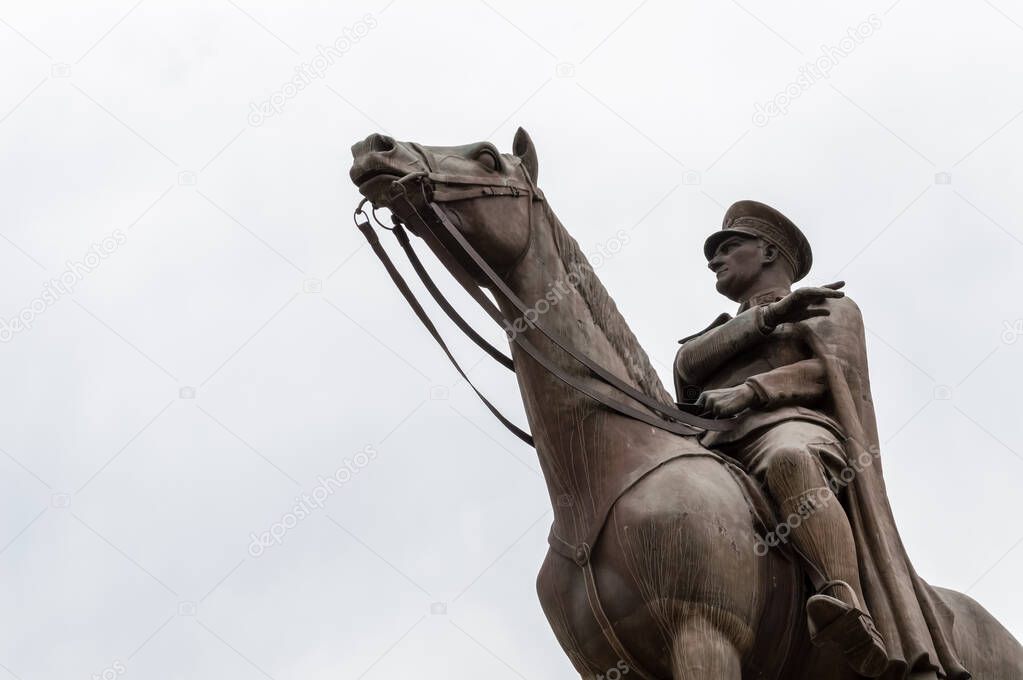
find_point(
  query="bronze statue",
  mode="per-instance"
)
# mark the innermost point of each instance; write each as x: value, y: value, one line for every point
x: 658, y: 564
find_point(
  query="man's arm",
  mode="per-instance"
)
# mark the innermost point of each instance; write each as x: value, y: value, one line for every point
x: 701, y: 356
x: 803, y: 383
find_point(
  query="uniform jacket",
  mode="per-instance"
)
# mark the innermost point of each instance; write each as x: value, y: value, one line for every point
x: 788, y: 380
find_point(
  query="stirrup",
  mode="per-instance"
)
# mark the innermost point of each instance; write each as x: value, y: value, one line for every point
x: 834, y: 622
x: 828, y: 585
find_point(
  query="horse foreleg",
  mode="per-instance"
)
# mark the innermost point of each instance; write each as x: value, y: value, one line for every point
x: 700, y: 651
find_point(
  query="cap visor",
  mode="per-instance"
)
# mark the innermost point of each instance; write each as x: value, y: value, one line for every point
x: 710, y: 246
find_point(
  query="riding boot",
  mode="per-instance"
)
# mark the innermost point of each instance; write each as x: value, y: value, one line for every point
x: 824, y: 537
x: 844, y: 624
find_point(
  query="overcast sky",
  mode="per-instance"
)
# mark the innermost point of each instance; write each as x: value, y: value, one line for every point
x: 193, y: 334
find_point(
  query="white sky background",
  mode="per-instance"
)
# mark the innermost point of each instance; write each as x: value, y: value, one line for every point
x: 650, y: 130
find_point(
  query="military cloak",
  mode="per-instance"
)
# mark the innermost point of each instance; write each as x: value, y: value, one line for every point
x: 914, y: 620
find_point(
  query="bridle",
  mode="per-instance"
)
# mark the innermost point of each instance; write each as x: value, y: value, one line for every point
x: 435, y: 188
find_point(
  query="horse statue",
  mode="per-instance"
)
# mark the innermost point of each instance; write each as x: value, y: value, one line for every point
x: 654, y: 568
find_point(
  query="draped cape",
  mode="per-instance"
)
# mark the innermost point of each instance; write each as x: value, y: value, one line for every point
x: 914, y: 620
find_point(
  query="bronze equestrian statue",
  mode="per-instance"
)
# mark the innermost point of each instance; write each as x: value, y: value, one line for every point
x: 664, y: 559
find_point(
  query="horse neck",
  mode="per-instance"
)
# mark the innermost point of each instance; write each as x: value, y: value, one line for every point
x: 573, y: 437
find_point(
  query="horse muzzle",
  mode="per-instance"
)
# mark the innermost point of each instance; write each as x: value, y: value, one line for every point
x: 378, y: 161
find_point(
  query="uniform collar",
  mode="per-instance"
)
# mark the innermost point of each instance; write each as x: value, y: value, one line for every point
x: 764, y: 297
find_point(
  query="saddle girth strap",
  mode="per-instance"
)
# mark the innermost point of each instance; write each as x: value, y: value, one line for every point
x: 593, y: 597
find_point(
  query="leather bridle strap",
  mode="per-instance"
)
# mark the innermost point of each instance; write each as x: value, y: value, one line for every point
x: 467, y: 187
x: 367, y: 230
x: 598, y: 370
x: 575, y: 382
x: 580, y: 385
x: 443, y: 303
x: 485, y: 186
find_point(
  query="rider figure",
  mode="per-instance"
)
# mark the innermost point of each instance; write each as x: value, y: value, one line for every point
x: 760, y: 364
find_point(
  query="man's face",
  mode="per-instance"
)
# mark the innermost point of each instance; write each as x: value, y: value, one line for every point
x: 738, y: 262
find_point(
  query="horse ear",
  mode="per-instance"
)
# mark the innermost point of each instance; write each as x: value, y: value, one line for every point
x: 524, y: 149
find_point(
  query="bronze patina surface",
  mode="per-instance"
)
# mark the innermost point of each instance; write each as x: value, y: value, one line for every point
x: 664, y: 561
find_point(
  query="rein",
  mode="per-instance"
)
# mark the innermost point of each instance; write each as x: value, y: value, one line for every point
x: 436, y: 188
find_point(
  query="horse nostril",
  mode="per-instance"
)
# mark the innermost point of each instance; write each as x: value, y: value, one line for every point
x: 380, y: 143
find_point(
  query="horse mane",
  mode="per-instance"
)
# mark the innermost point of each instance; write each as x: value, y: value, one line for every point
x: 605, y: 313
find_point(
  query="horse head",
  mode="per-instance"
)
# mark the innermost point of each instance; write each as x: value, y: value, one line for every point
x: 481, y: 189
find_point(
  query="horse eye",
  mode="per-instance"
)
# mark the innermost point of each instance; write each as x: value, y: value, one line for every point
x: 489, y: 160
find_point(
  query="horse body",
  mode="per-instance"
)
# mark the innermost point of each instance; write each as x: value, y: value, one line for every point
x: 673, y: 553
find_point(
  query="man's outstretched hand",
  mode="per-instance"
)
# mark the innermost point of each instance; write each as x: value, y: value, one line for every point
x: 802, y: 304
x: 727, y: 402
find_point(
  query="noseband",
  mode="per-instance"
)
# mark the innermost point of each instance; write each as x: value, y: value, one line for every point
x: 435, y: 188
x: 438, y: 188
